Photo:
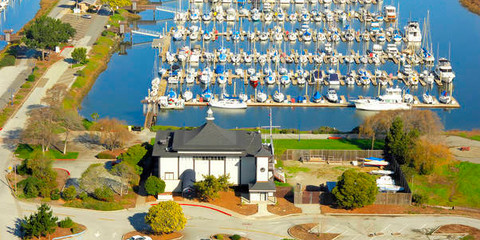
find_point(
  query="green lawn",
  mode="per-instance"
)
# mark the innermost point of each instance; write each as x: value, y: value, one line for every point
x: 344, y: 144
x: 451, y: 186
x: 25, y: 151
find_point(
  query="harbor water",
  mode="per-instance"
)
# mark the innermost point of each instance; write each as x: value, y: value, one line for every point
x: 16, y: 15
x: 119, y: 90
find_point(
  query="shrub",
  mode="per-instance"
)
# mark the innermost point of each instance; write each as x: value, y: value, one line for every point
x: 66, y: 223
x: 83, y: 196
x: 134, y: 155
x: 166, y: 217
x: 69, y: 193
x: 154, y: 185
x: 209, y: 187
x: 31, y: 186
x: 419, y: 199
x: 7, y: 60
x: 106, y: 155
x: 236, y: 237
x: 79, y: 55
x: 31, y: 190
x: 219, y: 236
x: 55, y: 194
x: 31, y: 78
x: 104, y: 194
x: 26, y: 85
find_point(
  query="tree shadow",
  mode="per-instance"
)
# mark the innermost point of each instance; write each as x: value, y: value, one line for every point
x: 138, y: 222
x: 16, y: 229
x: 69, y: 60
x: 88, y: 139
x: 11, y: 140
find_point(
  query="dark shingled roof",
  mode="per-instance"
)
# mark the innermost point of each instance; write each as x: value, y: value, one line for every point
x: 262, y: 187
x: 209, y: 137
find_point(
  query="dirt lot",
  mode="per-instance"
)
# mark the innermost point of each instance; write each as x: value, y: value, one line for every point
x: 399, y: 209
x: 314, y: 174
x: 229, y: 201
x: 174, y: 235
x: 455, y: 142
x: 458, y: 228
x: 283, y: 207
x: 302, y: 231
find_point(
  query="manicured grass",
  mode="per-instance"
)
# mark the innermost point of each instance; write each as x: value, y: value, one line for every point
x: 342, y: 144
x: 455, y: 185
x: 473, y: 134
x: 295, y: 169
x: 281, y: 184
x: 25, y: 151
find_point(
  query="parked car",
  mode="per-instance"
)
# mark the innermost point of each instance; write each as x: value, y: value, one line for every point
x: 87, y: 16
x: 138, y: 237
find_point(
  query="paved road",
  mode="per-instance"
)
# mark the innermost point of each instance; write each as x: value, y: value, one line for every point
x: 204, y: 222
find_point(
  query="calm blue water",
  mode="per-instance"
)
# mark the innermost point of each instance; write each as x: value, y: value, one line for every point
x: 17, y: 14
x: 118, y: 91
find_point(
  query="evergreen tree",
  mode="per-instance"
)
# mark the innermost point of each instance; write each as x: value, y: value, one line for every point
x: 397, y: 142
x: 355, y: 189
x: 40, y: 223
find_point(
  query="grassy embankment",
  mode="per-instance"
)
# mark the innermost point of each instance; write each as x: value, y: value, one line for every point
x: 25, y: 151
x: 98, y: 59
x: 342, y: 144
x: 7, y: 58
x: 471, y: 5
x: 473, y: 135
x: 450, y: 185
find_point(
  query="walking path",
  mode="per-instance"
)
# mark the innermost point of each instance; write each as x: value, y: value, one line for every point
x: 58, y: 72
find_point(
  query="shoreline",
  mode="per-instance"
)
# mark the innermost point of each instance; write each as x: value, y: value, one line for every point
x: 471, y: 5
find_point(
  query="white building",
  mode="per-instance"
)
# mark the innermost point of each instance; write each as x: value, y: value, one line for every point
x: 184, y: 156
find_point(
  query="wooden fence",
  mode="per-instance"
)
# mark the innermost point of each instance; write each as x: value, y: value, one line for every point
x: 327, y: 155
x: 398, y: 198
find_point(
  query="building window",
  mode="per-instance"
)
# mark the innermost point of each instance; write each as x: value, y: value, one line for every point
x: 168, y: 176
x: 217, y: 158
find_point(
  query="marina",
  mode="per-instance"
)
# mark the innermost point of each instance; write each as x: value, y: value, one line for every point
x: 299, y: 92
x: 198, y: 63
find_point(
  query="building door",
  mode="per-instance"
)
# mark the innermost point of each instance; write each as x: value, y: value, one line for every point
x: 263, y: 197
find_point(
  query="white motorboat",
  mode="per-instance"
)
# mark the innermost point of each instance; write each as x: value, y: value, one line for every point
x: 428, y: 77
x: 444, y: 70
x: 391, y: 100
x: 445, y: 98
x: 332, y: 95
x: 261, y: 96
x: 228, y: 103
x: 381, y: 172
x: 427, y: 98
x: 187, y: 95
x: 390, y: 13
x: 375, y: 163
x: 285, y: 79
x: 255, y: 15
x: 333, y: 78
x: 231, y: 14
x: 350, y: 79
x: 278, y: 97
x: 413, y: 33
x: 206, y: 76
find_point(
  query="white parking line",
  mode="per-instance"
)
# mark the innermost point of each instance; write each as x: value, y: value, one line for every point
x: 403, y: 228
x: 385, y: 228
x: 330, y: 229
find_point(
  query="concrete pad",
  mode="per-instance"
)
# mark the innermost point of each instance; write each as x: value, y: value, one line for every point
x: 309, y: 208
